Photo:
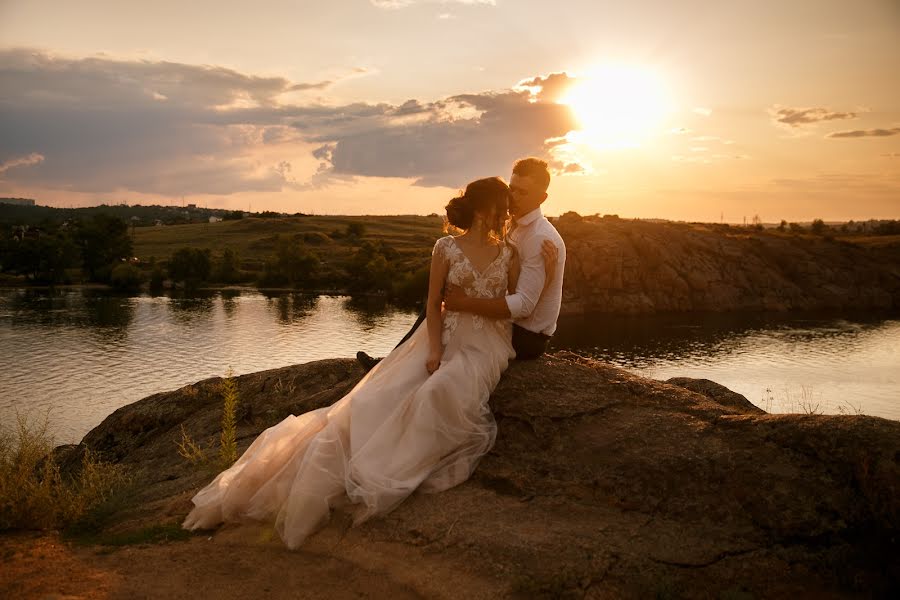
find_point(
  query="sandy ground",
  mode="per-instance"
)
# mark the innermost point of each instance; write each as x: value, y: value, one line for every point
x: 238, y: 563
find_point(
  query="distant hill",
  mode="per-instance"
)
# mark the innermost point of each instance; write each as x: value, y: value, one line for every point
x: 17, y: 201
x: 15, y: 213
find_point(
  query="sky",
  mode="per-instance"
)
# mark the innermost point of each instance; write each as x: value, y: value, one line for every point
x: 692, y: 110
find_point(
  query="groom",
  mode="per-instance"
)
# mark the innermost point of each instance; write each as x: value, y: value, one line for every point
x: 534, y: 307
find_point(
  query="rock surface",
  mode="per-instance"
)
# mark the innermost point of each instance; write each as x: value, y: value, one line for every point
x: 601, y: 484
x: 639, y: 267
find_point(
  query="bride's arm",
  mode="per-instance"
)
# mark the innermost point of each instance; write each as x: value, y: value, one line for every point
x: 433, y: 319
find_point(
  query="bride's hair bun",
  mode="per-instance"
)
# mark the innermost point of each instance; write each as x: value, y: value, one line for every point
x: 485, y: 197
x: 460, y: 212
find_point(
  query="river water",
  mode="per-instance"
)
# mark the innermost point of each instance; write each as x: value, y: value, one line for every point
x: 77, y: 355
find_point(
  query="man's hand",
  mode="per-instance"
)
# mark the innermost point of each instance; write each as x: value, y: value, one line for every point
x: 550, y: 253
x: 454, y: 298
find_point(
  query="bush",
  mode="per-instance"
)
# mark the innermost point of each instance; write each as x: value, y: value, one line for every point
x: 190, y: 266
x: 355, y: 230
x: 35, y: 494
x: 412, y: 288
x: 126, y: 277
x: 228, y: 269
x: 157, y: 277
x: 292, y: 265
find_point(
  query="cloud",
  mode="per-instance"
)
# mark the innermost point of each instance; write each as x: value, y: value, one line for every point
x: 103, y: 124
x: 551, y: 88
x: 32, y: 159
x: 797, y: 117
x: 398, y: 4
x: 439, y: 149
x: 865, y: 133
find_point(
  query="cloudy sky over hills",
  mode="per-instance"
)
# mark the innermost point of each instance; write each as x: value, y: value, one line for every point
x: 690, y: 110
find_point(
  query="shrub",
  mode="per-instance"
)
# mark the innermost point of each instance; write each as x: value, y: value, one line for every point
x: 126, y: 277
x: 355, y: 230
x: 35, y: 494
x: 228, y: 269
x: 190, y: 265
x: 412, y: 288
x: 292, y: 264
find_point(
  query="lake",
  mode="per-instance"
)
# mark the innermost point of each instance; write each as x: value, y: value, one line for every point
x: 80, y: 353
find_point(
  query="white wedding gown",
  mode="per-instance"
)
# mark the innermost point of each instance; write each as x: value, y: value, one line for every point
x: 396, y: 431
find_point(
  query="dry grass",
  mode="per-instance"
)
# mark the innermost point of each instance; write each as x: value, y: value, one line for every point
x: 35, y: 494
x: 189, y: 450
x: 227, y: 439
x: 805, y: 400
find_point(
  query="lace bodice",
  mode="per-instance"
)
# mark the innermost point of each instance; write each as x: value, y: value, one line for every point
x: 490, y: 283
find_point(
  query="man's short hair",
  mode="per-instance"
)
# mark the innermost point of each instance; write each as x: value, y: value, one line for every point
x: 535, y: 168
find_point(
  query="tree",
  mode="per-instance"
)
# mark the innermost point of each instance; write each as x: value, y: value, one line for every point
x: 783, y: 225
x: 126, y: 277
x: 228, y: 269
x: 190, y: 266
x: 818, y: 227
x: 41, y: 257
x: 104, y: 242
x: 371, y: 269
x: 292, y: 265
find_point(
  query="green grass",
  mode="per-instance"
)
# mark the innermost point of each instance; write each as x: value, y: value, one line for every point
x: 254, y: 238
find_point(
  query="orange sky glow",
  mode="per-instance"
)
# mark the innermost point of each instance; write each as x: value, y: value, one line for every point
x: 696, y: 110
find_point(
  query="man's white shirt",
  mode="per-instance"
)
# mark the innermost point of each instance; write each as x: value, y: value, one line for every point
x: 530, y: 309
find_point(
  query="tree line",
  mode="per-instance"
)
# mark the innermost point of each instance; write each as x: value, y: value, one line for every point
x: 99, y: 250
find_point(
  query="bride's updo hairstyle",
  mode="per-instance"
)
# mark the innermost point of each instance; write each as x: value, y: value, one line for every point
x: 480, y: 198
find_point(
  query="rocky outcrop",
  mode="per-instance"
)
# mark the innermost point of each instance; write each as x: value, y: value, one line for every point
x: 638, y: 267
x: 601, y: 484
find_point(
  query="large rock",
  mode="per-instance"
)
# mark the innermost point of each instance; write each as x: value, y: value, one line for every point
x: 639, y: 267
x: 601, y: 484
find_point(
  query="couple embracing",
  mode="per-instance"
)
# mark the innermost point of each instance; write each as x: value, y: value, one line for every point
x: 419, y: 420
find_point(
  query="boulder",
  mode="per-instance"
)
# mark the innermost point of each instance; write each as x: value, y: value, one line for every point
x: 601, y: 484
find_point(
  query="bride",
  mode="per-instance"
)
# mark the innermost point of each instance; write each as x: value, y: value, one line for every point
x: 419, y: 419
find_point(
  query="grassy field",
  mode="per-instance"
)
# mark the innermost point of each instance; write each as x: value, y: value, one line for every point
x: 255, y: 239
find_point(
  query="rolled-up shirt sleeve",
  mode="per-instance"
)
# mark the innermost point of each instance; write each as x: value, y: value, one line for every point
x: 529, y: 288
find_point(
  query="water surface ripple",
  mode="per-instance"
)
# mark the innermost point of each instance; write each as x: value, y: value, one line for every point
x: 81, y: 354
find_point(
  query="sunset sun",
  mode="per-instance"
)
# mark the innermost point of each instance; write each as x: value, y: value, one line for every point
x: 617, y: 106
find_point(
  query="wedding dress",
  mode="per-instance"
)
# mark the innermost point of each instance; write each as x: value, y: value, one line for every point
x: 396, y: 431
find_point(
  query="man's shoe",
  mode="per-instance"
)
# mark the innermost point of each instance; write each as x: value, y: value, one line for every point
x: 366, y: 361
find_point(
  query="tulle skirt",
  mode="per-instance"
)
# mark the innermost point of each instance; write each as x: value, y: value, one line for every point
x: 399, y: 429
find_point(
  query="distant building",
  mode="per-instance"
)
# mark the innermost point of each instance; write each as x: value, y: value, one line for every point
x: 215, y: 219
x: 192, y: 206
x: 17, y: 201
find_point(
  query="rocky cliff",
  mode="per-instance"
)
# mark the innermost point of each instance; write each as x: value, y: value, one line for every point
x: 601, y: 484
x: 636, y: 267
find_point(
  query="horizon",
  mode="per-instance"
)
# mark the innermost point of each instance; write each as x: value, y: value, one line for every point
x: 297, y: 214
x: 697, y: 112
